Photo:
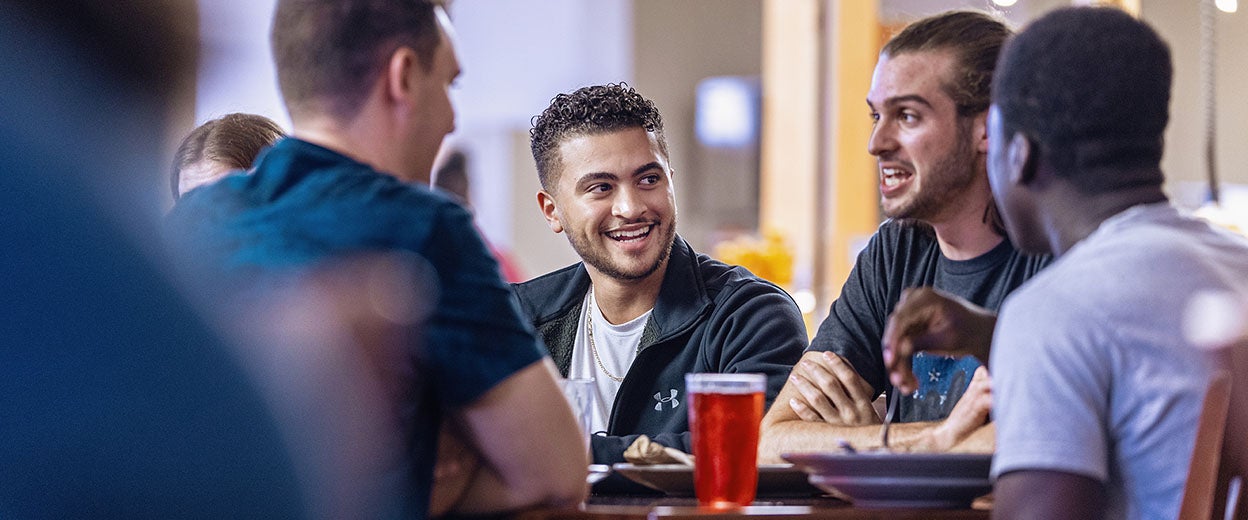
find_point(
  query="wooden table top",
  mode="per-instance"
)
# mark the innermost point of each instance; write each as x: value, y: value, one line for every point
x: 805, y: 508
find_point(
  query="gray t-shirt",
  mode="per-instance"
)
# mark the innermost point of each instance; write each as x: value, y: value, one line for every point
x: 1091, y: 371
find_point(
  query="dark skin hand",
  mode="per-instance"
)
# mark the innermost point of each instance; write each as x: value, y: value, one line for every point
x: 933, y: 320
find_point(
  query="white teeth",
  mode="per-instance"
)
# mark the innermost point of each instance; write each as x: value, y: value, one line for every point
x: 893, y: 176
x: 630, y: 235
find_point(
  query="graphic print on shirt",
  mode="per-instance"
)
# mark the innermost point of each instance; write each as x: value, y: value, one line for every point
x: 946, y: 379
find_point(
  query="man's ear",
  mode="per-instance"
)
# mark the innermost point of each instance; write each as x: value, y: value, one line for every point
x: 546, y: 203
x: 399, y: 78
x: 979, y: 132
x: 1021, y: 158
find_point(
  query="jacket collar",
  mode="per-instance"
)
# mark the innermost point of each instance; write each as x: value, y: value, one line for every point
x: 682, y: 295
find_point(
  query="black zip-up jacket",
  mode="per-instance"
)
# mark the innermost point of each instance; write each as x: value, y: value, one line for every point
x: 710, y: 317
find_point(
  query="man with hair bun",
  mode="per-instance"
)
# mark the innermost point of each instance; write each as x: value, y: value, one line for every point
x: 643, y: 308
x: 929, y: 100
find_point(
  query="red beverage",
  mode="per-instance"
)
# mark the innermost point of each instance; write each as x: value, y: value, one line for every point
x: 724, y: 423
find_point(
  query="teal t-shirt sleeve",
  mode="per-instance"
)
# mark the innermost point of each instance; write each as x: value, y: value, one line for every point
x: 475, y: 338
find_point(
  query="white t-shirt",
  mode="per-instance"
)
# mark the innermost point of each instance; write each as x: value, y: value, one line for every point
x: 616, y: 347
x: 1091, y: 372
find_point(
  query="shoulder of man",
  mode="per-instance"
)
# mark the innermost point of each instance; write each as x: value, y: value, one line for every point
x: 725, y: 280
x: 551, y: 294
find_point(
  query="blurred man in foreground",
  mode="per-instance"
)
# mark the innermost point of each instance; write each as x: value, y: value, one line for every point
x: 929, y: 100
x: 367, y: 87
x: 118, y: 399
x: 1097, y: 388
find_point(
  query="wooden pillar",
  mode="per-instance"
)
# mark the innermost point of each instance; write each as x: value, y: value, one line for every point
x: 817, y: 182
x: 852, y: 181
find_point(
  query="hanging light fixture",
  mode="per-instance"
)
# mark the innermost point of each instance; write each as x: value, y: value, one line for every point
x: 1208, y: 68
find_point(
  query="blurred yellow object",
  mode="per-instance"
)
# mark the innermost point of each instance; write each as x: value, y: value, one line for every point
x: 1228, y: 217
x: 769, y: 257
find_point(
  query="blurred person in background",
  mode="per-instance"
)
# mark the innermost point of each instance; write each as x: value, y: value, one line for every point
x: 643, y: 308
x: 451, y: 176
x: 1098, y: 391
x: 929, y: 100
x: 367, y: 84
x: 214, y: 149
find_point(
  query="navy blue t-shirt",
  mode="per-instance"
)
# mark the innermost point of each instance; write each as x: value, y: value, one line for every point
x: 306, y: 203
x: 900, y: 256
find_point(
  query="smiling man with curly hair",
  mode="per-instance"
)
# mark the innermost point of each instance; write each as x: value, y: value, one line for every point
x: 643, y: 308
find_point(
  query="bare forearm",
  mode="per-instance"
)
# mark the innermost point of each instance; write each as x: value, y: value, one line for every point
x: 503, y: 426
x: 982, y: 440
x: 801, y: 436
x: 1042, y: 494
x: 488, y: 493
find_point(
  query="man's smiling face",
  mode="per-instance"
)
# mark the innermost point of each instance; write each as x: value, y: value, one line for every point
x: 614, y: 198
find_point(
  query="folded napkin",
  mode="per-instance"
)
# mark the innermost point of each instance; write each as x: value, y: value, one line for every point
x: 644, y: 451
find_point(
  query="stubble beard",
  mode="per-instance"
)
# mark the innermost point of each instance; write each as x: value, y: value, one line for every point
x: 945, y: 182
x: 602, y: 262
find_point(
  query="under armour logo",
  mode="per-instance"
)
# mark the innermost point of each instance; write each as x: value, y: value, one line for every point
x: 658, y: 396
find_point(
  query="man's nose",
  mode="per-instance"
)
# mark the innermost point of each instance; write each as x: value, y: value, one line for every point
x: 882, y: 139
x: 629, y: 204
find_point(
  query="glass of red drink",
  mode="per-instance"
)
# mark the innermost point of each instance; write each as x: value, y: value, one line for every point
x: 725, y: 411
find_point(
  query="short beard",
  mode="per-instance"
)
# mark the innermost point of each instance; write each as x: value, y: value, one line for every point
x: 604, y: 266
x: 946, y: 183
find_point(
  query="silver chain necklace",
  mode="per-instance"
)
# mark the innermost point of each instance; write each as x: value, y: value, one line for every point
x: 589, y: 329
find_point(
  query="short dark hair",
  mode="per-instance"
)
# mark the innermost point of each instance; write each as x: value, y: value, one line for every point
x: 973, y: 37
x: 590, y: 110
x: 330, y: 51
x: 1091, y: 87
x: 233, y: 140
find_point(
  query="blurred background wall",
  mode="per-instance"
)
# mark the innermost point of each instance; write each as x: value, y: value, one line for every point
x: 762, y: 101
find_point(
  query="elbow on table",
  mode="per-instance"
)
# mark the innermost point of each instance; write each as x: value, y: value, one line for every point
x: 770, y: 443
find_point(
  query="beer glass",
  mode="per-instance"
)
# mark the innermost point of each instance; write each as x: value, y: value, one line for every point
x: 725, y: 412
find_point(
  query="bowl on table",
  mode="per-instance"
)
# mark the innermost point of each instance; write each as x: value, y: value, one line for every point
x: 892, y: 479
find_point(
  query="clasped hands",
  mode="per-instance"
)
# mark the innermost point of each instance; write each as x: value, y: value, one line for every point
x: 830, y: 390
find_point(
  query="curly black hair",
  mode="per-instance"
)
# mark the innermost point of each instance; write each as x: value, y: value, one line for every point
x: 589, y: 110
x: 1091, y: 87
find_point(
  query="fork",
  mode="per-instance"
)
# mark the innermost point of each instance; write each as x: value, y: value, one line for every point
x: 888, y: 417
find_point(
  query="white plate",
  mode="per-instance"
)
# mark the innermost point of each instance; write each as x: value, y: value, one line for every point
x: 677, y: 479
x: 882, y: 479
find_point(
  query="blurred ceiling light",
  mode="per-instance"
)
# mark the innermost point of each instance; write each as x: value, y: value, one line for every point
x: 1007, y: 3
x: 1227, y: 6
